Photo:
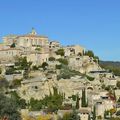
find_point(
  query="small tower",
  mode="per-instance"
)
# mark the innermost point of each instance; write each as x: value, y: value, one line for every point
x: 33, y: 32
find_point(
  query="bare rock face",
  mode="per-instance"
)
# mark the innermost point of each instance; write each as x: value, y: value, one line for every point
x: 38, y: 89
x: 83, y: 64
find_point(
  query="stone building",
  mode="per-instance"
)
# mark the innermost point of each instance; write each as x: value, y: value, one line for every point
x: 33, y: 46
x: 74, y: 50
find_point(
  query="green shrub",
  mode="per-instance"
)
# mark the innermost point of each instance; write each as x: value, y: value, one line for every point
x: 51, y: 59
x: 60, y: 52
x: 90, y: 78
x: 63, y: 61
x: 58, y: 66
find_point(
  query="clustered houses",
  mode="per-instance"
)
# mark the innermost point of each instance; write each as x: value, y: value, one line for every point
x: 38, y: 49
x: 33, y: 46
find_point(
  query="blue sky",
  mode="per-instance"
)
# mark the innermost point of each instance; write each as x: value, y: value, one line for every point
x: 94, y: 24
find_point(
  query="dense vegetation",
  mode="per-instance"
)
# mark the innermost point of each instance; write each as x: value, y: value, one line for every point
x: 52, y: 102
x: 67, y: 73
x: 84, y: 100
x: 90, y: 53
x: 60, y: 52
x: 112, y: 66
x: 8, y: 108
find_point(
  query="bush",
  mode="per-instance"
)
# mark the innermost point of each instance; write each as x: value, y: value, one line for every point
x: 90, y: 78
x: 8, y: 108
x: 44, y: 65
x: 89, y: 53
x: 51, y: 59
x: 63, y: 61
x: 58, y: 66
x: 16, y: 83
x: 35, y: 67
x: 0, y: 70
x: 66, y: 73
x: 38, y: 49
x: 60, y: 52
x: 10, y: 71
x: 53, y: 102
x: 20, y: 103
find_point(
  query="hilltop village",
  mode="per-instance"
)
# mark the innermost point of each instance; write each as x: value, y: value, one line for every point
x: 55, y: 82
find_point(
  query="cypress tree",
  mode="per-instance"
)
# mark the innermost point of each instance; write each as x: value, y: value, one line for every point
x: 84, y: 102
x: 94, y: 113
x: 77, y: 102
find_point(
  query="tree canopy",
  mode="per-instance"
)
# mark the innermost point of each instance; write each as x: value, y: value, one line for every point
x: 8, y: 108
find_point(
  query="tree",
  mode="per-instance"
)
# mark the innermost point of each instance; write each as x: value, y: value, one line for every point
x: 63, y: 61
x: 13, y: 45
x: 118, y: 84
x: 84, y: 102
x: 51, y: 59
x: 53, y: 102
x: 44, y: 65
x: 38, y: 49
x: 89, y: 53
x: 94, y: 113
x: 0, y: 70
x: 60, y: 52
x: 77, y: 102
x: 21, y: 103
x: 8, y: 108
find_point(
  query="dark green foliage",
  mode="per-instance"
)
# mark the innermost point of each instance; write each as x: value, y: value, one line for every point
x: 108, y: 88
x: 66, y: 73
x: 44, y: 65
x: 58, y: 66
x: 51, y: 59
x: 112, y: 66
x: 35, y: 67
x: 8, y: 108
x: 38, y: 49
x: 22, y: 63
x: 0, y: 70
x: 77, y: 102
x: 96, y: 59
x: 89, y: 53
x: 90, y: 78
x: 74, y: 97
x: 84, y: 100
x: 20, y: 103
x: 63, y: 61
x: 52, y: 102
x: 13, y: 45
x: 15, y: 83
x: 94, y: 113
x: 10, y: 71
x: 60, y: 52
